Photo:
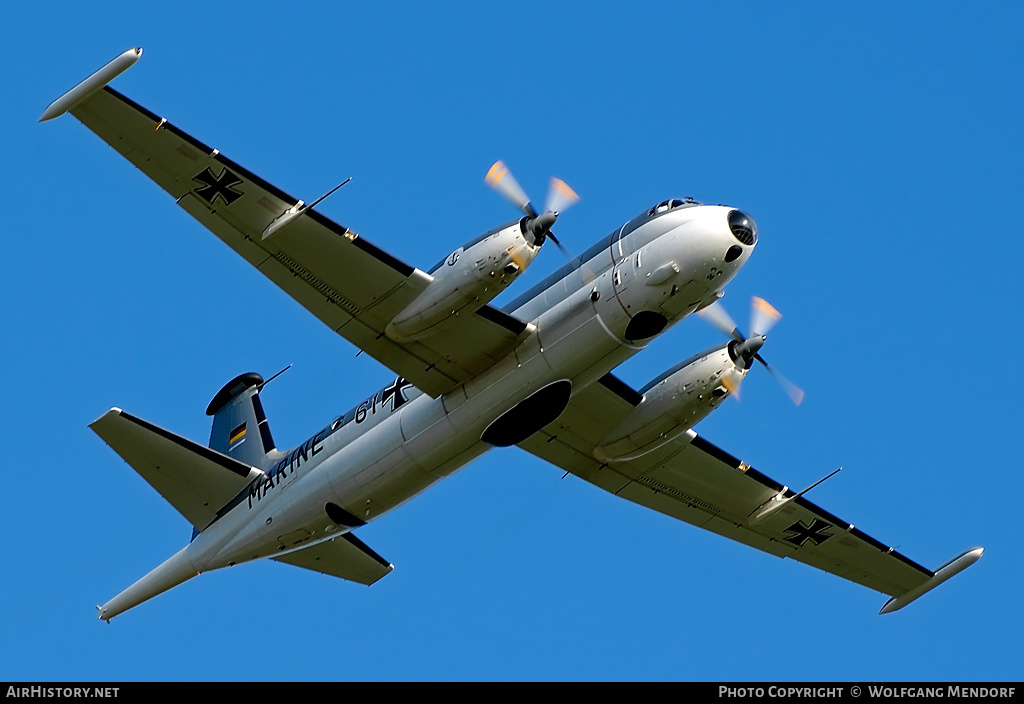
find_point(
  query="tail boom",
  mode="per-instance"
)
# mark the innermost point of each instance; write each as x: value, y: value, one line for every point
x: 176, y: 569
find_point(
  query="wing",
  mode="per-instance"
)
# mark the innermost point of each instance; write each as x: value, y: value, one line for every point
x: 194, y: 479
x: 342, y: 279
x: 694, y: 481
x: 345, y: 556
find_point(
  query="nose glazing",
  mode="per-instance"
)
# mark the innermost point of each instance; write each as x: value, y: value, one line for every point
x: 743, y: 227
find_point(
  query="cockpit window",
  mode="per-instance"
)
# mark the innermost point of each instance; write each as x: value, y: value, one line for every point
x: 667, y: 205
x: 661, y: 208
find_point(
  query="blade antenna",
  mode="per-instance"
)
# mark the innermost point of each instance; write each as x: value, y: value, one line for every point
x: 289, y: 366
x: 324, y: 196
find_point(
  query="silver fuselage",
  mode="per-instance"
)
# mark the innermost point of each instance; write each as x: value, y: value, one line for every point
x: 376, y: 459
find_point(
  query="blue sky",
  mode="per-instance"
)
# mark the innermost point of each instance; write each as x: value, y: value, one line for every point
x: 879, y: 148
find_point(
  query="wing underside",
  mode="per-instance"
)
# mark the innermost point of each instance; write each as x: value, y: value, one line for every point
x: 694, y: 481
x: 348, y: 283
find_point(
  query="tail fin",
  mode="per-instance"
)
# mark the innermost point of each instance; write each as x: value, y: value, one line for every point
x: 240, y: 428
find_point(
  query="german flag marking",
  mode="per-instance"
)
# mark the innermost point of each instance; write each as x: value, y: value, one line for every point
x: 236, y: 434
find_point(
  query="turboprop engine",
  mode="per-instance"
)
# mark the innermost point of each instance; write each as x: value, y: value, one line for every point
x: 475, y: 273
x: 678, y: 399
x: 470, y: 277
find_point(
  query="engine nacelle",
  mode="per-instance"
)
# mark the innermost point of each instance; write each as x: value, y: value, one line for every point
x: 673, y: 403
x: 470, y: 277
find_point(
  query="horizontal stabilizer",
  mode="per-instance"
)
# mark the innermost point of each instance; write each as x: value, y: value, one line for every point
x: 196, y: 480
x: 345, y: 556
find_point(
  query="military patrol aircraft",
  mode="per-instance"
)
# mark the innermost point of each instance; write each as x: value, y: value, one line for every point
x: 536, y: 373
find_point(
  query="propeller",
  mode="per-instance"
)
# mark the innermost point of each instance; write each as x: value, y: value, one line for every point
x: 763, y: 318
x: 538, y: 225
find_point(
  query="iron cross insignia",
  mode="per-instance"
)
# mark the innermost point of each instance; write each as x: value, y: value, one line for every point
x: 396, y: 393
x: 213, y: 187
x: 813, y: 532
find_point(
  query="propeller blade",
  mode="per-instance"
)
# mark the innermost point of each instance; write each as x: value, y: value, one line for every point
x: 733, y: 387
x: 501, y: 179
x: 565, y: 251
x: 762, y: 316
x: 718, y: 317
x: 586, y: 274
x: 560, y: 196
x: 795, y: 393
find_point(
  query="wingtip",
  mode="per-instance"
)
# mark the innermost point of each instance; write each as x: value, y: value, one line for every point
x: 956, y: 565
x: 121, y: 63
x: 113, y: 412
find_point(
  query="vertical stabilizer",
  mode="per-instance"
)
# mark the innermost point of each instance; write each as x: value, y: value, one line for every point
x: 240, y: 427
